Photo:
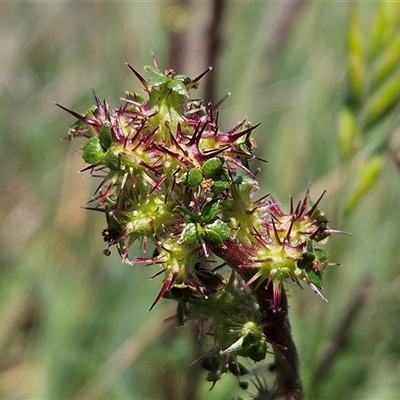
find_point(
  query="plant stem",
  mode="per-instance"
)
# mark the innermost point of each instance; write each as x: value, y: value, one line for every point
x: 278, y: 332
x: 214, y: 43
x: 276, y: 322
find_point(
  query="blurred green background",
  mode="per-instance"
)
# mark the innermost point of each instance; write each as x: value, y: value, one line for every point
x: 75, y: 324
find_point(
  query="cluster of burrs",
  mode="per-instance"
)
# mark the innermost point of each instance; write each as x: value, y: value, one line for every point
x: 170, y: 178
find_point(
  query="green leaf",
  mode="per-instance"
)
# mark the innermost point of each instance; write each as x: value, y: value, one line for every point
x: 356, y: 57
x: 220, y: 186
x: 383, y: 27
x: 188, y: 215
x: 322, y: 222
x: 252, y: 337
x: 221, y: 228
x: 367, y: 177
x: 105, y: 135
x: 177, y: 86
x: 315, y: 278
x: 158, y: 81
x: 305, y: 260
x: 183, y: 78
x: 112, y: 221
x: 92, y: 151
x: 322, y: 257
x: 209, y: 210
x: 386, y: 98
x: 258, y: 351
x: 212, y: 167
x: 349, y: 134
x: 153, y: 70
x: 387, y: 63
x: 112, y: 161
x: 191, y: 178
x: 212, y: 237
x: 216, y: 233
x: 190, y: 233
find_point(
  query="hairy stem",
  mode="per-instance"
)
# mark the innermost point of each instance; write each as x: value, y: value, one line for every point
x: 276, y: 323
x: 277, y: 330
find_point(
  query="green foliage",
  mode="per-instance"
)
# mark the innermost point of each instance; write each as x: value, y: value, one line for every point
x: 92, y: 151
x: 373, y: 94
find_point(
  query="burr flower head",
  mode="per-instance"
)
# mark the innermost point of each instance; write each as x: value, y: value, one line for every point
x: 173, y: 180
x: 287, y: 248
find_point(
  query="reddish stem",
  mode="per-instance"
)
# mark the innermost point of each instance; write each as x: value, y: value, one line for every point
x: 276, y: 322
